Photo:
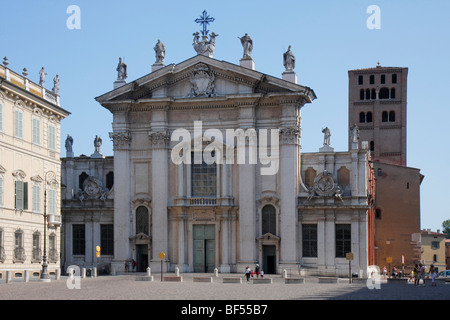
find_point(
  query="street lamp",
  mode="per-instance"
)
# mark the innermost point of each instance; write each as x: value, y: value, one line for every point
x: 52, y: 180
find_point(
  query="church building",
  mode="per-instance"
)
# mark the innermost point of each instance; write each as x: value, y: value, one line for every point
x: 208, y: 170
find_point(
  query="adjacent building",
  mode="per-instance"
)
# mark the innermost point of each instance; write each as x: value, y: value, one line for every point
x: 433, y: 249
x: 378, y: 107
x: 30, y: 171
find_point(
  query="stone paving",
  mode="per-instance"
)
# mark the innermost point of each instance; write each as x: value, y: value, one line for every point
x: 127, y: 287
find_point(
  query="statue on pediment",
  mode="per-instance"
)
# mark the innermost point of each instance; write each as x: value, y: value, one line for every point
x: 121, y: 69
x: 205, y: 47
x: 289, y: 60
x: 160, y: 52
x: 247, y: 44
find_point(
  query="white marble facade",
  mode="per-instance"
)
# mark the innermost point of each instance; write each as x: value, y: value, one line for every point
x: 227, y: 215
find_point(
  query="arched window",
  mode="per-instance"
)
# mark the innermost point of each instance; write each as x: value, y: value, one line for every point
x: 369, y: 117
x: 83, y: 176
x: 367, y: 94
x: 362, y: 117
x: 142, y: 220
x: 374, y: 94
x: 384, y: 116
x: 384, y: 93
x: 392, y: 93
x: 392, y: 116
x: 310, y: 175
x: 361, y: 94
x: 269, y: 219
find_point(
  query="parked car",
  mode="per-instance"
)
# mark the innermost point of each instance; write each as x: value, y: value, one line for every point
x: 444, y: 274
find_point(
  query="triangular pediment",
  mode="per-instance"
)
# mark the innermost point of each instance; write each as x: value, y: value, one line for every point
x: 202, y: 77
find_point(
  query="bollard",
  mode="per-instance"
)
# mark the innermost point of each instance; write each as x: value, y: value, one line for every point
x: 27, y: 275
x: 149, y: 272
x: 58, y: 274
x: 8, y: 276
x: 83, y: 273
x: 177, y: 271
x: 216, y: 272
x: 94, y: 272
x: 284, y: 273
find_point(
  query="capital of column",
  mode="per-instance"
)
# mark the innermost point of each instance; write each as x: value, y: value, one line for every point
x: 159, y: 139
x: 290, y: 135
x: 121, y: 139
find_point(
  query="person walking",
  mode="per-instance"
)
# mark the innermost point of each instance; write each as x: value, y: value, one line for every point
x: 422, y: 274
x: 432, y: 272
x: 416, y: 275
x: 257, y: 270
x: 248, y: 272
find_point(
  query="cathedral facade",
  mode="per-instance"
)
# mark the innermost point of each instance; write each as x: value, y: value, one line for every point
x: 208, y: 170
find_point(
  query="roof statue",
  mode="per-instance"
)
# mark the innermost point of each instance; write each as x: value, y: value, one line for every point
x: 247, y: 44
x: 121, y: 69
x: 289, y: 60
x: 160, y: 52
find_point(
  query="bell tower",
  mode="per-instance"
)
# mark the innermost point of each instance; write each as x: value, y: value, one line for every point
x: 377, y: 105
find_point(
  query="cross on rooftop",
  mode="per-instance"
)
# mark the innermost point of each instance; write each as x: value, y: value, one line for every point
x: 204, y: 20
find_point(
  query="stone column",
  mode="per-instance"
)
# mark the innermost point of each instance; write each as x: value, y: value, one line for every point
x: 122, y: 199
x: 288, y: 187
x: 225, y: 233
x: 160, y: 190
x: 247, y: 201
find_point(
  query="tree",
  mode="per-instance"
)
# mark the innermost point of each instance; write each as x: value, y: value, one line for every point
x: 446, y: 226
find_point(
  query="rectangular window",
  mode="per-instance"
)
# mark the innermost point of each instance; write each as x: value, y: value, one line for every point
x: 18, y: 124
x: 21, y: 189
x: 394, y: 78
x: 52, y: 137
x: 78, y: 239
x: 360, y: 80
x: 372, y: 79
x: 203, y: 180
x: 36, y: 199
x: 309, y: 236
x: 343, y: 240
x: 383, y: 78
x: 52, y: 201
x: 36, y: 131
x: 435, y: 245
x: 107, y: 239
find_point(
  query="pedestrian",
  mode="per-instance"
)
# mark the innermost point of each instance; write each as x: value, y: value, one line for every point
x: 127, y: 266
x: 384, y: 271
x: 262, y: 273
x: 257, y: 270
x: 432, y: 272
x: 416, y: 275
x: 248, y: 272
x: 422, y: 274
x: 133, y: 264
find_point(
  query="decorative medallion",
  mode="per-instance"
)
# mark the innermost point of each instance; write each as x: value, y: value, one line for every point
x: 202, y: 80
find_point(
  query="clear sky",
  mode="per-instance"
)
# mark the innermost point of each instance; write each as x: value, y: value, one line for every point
x: 328, y: 38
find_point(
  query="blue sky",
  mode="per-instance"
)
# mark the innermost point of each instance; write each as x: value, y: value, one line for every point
x: 328, y: 38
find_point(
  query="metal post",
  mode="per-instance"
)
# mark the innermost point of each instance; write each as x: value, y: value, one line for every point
x: 44, y: 274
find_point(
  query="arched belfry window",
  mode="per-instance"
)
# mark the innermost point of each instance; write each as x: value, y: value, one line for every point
x: 269, y: 219
x: 142, y: 220
x: 391, y: 116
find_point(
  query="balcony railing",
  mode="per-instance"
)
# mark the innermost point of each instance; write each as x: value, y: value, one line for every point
x: 19, y: 255
x: 203, y: 201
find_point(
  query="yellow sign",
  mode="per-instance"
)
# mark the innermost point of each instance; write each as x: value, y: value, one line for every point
x: 388, y: 259
x: 97, y: 248
x: 349, y: 256
x: 97, y: 254
x: 161, y: 255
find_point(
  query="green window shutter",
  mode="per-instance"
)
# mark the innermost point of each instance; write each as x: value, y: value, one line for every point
x: 25, y: 196
x: 19, y: 195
